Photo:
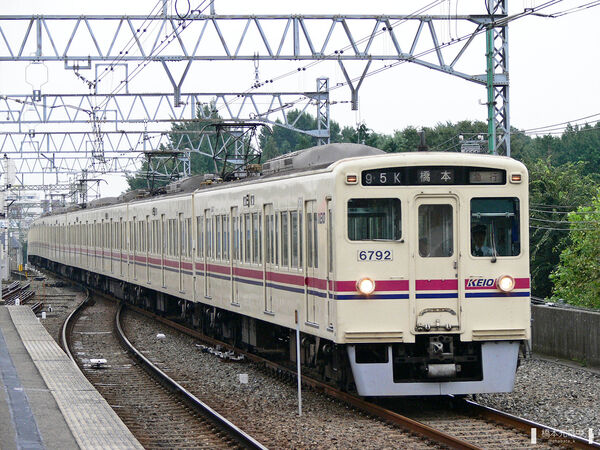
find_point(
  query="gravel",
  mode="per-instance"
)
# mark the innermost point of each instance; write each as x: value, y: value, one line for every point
x: 265, y: 407
x: 554, y: 394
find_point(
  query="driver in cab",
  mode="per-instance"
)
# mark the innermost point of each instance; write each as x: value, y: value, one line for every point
x: 478, y: 247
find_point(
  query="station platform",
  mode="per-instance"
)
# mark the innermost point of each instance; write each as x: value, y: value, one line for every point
x: 45, y: 401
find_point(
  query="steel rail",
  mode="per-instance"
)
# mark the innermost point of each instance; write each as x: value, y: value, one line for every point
x: 518, y: 423
x: 358, y: 403
x: 243, y: 438
x: 66, y: 326
x: 525, y: 425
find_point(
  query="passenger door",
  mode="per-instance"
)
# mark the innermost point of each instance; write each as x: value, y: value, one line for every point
x: 236, y: 257
x: 434, y: 286
x: 312, y: 260
x: 208, y: 249
x: 269, y: 259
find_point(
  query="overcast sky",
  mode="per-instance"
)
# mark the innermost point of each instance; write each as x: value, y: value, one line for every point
x: 554, y: 65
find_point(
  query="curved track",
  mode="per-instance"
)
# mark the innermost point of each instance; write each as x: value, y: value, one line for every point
x: 154, y: 407
x: 456, y: 424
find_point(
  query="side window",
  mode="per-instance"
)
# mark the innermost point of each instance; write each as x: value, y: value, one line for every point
x: 200, y: 237
x: 236, y: 239
x: 436, y: 238
x: 208, y: 239
x: 311, y: 257
x: 218, y: 237
x: 374, y: 218
x: 247, y: 238
x: 330, y: 239
x: 255, y: 238
x: 276, y: 248
x: 285, y: 243
x: 295, y: 238
x: 495, y: 225
x: 188, y: 227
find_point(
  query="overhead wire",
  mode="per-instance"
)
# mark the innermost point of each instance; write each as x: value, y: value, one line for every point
x: 500, y: 22
x: 561, y: 229
x: 128, y: 45
x: 165, y: 43
x: 575, y: 9
x: 359, y: 41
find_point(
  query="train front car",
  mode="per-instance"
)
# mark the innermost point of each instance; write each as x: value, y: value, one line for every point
x: 432, y: 290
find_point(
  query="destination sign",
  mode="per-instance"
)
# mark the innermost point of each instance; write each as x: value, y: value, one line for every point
x: 432, y: 175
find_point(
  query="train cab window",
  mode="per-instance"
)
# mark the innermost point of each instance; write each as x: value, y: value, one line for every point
x: 495, y: 226
x: 436, y: 236
x: 374, y: 218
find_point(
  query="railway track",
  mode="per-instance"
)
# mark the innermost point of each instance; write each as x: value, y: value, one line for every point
x: 457, y: 423
x: 155, y: 408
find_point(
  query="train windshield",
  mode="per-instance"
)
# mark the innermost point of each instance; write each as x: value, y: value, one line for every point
x: 374, y: 219
x: 495, y: 227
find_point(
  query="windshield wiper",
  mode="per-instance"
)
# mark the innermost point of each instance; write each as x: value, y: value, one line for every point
x: 494, y: 252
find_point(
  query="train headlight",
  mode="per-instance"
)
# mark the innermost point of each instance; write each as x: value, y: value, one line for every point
x: 505, y: 283
x: 365, y: 286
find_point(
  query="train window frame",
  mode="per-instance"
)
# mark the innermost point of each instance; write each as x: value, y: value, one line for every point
x: 489, y: 234
x: 395, y: 202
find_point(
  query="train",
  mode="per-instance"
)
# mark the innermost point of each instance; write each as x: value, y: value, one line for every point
x: 406, y: 273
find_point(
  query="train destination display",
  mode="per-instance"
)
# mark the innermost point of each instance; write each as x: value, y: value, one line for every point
x: 434, y: 176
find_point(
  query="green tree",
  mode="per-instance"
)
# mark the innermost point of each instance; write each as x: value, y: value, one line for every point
x: 553, y: 190
x: 577, y: 277
x: 185, y: 134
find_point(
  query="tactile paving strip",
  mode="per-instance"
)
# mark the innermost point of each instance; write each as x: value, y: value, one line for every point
x: 92, y: 421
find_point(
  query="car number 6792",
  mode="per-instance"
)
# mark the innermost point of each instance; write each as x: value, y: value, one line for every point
x: 375, y: 255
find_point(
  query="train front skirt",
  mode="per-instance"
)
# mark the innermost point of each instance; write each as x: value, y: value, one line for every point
x: 498, y: 364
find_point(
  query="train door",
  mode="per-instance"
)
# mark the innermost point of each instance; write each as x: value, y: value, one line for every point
x: 434, y: 288
x: 122, y: 244
x: 148, y: 242
x: 235, y: 254
x: 312, y: 260
x: 330, y: 277
x: 180, y: 247
x: 102, y: 246
x: 88, y: 244
x: 269, y: 252
x: 163, y: 247
x: 111, y: 234
x: 208, y: 249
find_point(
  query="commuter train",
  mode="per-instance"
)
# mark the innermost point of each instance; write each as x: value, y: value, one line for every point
x: 408, y: 273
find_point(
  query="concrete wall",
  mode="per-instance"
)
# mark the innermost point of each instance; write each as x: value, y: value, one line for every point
x: 566, y: 333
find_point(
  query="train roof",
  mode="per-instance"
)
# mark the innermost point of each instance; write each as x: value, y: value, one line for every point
x: 300, y: 162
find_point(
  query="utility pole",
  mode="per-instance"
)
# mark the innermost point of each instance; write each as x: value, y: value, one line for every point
x: 496, y: 37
